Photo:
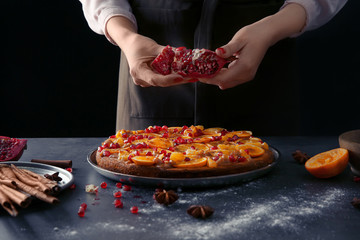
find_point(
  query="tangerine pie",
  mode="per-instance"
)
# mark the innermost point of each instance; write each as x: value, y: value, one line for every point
x: 183, y: 152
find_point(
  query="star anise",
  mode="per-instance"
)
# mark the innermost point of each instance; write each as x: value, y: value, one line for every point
x: 200, y: 211
x: 54, y: 177
x: 166, y: 197
x: 356, y: 202
x: 300, y: 156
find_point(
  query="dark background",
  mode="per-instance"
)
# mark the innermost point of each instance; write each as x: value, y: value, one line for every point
x: 59, y: 79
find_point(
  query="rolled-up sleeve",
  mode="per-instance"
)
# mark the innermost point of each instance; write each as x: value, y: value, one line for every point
x: 98, y: 12
x: 318, y: 12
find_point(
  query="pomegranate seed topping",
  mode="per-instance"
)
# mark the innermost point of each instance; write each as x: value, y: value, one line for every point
x: 100, y: 149
x: 118, y: 203
x: 149, y: 154
x: 165, y: 135
x: 103, y: 185
x: 106, y: 153
x: 69, y: 170
x: 134, y: 209
x: 73, y: 186
x: 127, y: 188
x: 214, y: 148
x: 124, y: 135
x: 215, y: 158
x: 232, y: 158
x: 119, y: 185
x: 187, y: 159
x: 192, y: 147
x: 118, y: 194
x: 130, y: 157
x: 241, y: 159
x: 165, y: 128
x: 112, y: 136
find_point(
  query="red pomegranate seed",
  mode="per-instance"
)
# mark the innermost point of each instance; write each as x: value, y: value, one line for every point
x: 83, y: 205
x: 106, y: 153
x: 73, y: 186
x: 127, y: 188
x: 187, y: 159
x: 356, y: 179
x: 119, y: 185
x: 69, y: 170
x: 118, y: 203
x: 118, y: 194
x: 103, y: 185
x: 134, y: 209
x: 81, y: 212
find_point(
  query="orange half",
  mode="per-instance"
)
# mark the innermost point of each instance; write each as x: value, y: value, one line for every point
x: 328, y: 164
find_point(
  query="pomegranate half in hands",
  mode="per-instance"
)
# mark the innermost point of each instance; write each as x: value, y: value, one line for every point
x: 194, y: 63
x: 11, y: 149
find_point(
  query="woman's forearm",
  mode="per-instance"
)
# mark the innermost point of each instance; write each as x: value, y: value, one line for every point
x: 121, y: 30
x: 287, y: 22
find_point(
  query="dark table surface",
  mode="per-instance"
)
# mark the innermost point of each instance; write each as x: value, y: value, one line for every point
x: 287, y: 203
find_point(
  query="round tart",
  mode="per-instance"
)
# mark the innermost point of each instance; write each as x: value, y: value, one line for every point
x: 183, y: 152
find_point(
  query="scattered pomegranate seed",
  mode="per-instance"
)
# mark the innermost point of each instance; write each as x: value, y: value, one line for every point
x: 127, y: 188
x: 106, y: 153
x: 69, y: 170
x: 83, y: 205
x: 81, y: 212
x: 103, y: 185
x: 119, y: 185
x: 117, y: 194
x: 134, y: 209
x: 356, y: 179
x: 73, y: 186
x: 118, y: 203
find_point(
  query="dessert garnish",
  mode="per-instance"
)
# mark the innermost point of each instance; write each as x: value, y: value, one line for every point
x: 200, y: 211
x: 300, y: 156
x: 166, y: 197
x: 356, y: 202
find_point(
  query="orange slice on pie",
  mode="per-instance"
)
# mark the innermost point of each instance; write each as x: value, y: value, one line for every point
x: 254, y: 151
x: 328, y: 164
x: 143, y: 160
x: 189, y: 162
x: 163, y: 143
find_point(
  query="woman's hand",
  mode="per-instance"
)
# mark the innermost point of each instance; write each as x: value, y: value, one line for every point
x: 249, y: 45
x: 251, y: 42
x: 140, y: 51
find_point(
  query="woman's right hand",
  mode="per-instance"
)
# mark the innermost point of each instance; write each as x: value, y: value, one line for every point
x: 140, y: 51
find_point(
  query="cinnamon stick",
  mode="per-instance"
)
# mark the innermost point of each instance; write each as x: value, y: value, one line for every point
x: 57, y: 163
x: 36, y: 193
x: 9, y: 183
x: 17, y: 197
x: 7, y: 205
x: 29, y: 180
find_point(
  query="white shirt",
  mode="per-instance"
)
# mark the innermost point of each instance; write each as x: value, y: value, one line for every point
x: 98, y: 12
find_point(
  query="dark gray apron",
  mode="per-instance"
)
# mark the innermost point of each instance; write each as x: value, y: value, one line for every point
x: 268, y: 105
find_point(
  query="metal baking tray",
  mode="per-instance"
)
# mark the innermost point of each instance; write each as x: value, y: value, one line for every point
x: 42, y: 169
x: 184, y: 182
